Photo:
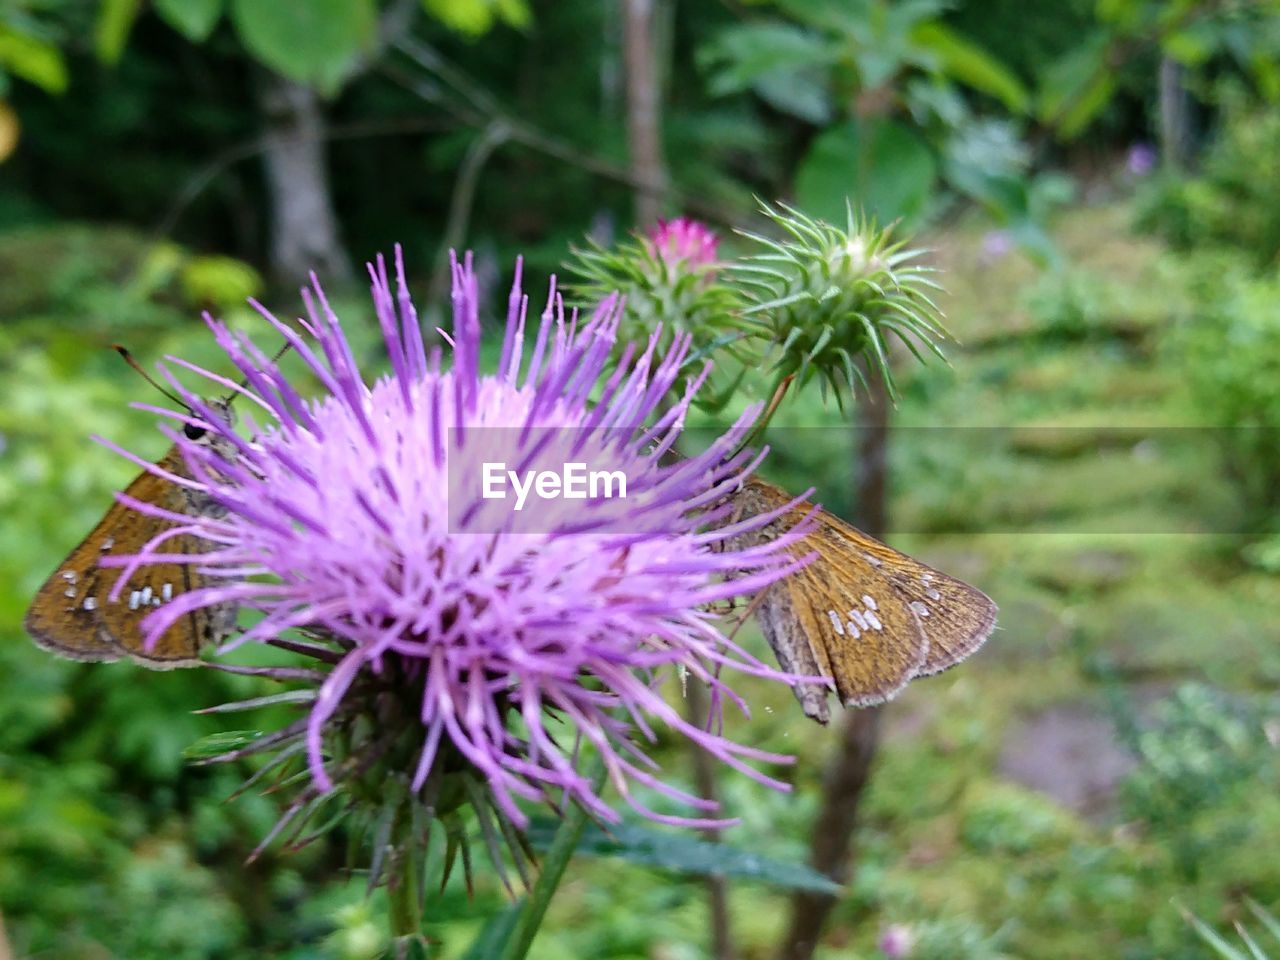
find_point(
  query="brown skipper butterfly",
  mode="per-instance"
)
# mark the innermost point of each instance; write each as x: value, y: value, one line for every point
x: 862, y: 614
x: 73, y: 614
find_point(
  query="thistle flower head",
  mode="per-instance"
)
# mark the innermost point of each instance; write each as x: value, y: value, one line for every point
x: 824, y: 296
x: 461, y: 659
x: 668, y: 279
x: 685, y: 239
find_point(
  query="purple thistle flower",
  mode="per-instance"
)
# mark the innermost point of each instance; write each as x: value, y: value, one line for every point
x: 996, y: 245
x: 897, y: 941
x: 685, y: 239
x: 1141, y: 159
x: 461, y: 642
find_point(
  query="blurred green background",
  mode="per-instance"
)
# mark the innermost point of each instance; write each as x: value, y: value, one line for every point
x: 1099, y: 182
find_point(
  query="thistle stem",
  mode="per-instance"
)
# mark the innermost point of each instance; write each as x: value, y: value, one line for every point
x: 554, y: 862
x: 404, y: 910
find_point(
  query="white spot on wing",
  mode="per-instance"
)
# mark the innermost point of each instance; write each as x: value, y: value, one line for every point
x: 869, y: 601
x: 89, y: 603
x: 835, y: 622
x: 166, y: 592
x: 107, y: 544
x: 922, y: 611
x: 874, y: 621
x: 69, y: 593
x: 135, y: 599
x: 146, y: 595
x: 933, y: 594
x: 874, y: 561
x: 69, y: 576
x: 853, y: 629
x: 857, y: 616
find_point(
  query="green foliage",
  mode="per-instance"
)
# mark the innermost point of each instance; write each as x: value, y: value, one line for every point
x: 954, y: 940
x: 28, y: 51
x: 1267, y: 920
x: 194, y: 19
x: 1084, y: 79
x: 477, y: 17
x: 111, y: 32
x: 311, y: 41
x: 787, y: 66
x: 1202, y: 751
x: 860, y: 56
x: 1229, y: 351
x: 638, y: 844
x: 1235, y: 200
x: 1068, y: 304
x: 884, y: 166
x: 1007, y: 819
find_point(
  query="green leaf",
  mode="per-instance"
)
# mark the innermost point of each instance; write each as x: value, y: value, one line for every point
x: 1267, y: 919
x: 311, y: 41
x: 785, y: 65
x: 477, y: 17
x: 111, y: 32
x: 194, y: 19
x: 493, y: 936
x: 968, y: 63
x: 1076, y: 87
x: 683, y: 854
x: 33, y: 60
x: 1189, y: 47
x: 219, y: 743
x: 882, y: 167
x: 1209, y: 936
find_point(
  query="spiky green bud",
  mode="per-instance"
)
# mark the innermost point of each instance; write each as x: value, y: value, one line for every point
x: 823, y: 296
x: 669, y: 278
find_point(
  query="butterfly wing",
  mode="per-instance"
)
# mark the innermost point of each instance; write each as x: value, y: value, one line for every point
x: 73, y: 614
x: 872, y: 636
x: 957, y: 618
x: 63, y: 617
x: 836, y: 617
x: 869, y: 617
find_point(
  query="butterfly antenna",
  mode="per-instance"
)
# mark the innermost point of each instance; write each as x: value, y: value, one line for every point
x: 128, y: 358
x: 244, y: 381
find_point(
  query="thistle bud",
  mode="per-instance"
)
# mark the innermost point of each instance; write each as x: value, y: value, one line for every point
x: 824, y: 296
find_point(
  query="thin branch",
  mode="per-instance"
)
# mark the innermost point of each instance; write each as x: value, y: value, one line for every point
x: 199, y: 182
x: 704, y: 775
x: 831, y: 844
x: 464, y: 191
x: 480, y: 108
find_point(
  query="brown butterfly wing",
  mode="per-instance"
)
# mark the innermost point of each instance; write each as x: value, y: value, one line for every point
x: 861, y: 632
x: 60, y: 620
x: 88, y: 625
x: 957, y: 618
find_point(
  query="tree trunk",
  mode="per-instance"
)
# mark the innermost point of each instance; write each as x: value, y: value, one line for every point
x: 304, y: 228
x: 1175, y: 115
x: 849, y: 770
x: 644, y: 110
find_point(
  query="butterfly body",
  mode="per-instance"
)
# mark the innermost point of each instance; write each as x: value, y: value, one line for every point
x: 74, y: 614
x: 863, y: 615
